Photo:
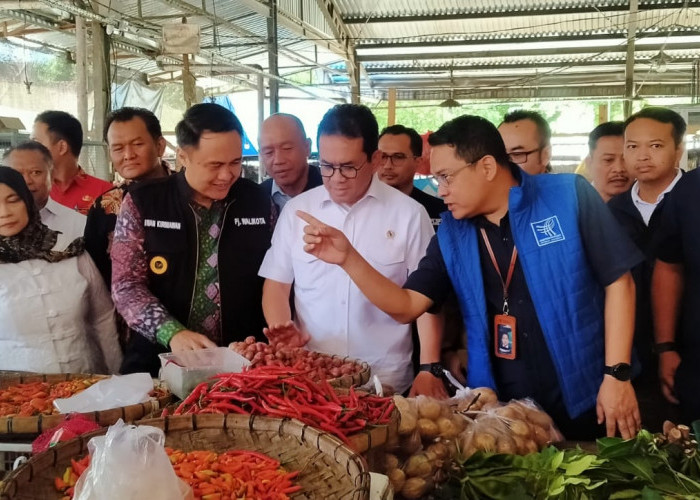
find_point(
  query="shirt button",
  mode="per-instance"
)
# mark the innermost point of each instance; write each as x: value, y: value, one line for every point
x: 36, y: 271
x: 43, y: 291
x: 52, y: 313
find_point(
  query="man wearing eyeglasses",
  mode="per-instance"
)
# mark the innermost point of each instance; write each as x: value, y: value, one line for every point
x: 537, y: 258
x: 401, y: 151
x: 527, y: 136
x: 387, y: 227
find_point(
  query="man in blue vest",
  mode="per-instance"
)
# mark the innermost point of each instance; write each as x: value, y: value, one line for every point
x: 537, y: 258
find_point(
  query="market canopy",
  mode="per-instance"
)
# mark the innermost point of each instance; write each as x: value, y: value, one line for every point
x: 437, y: 50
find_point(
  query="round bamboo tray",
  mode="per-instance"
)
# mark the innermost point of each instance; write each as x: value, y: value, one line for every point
x: 328, y: 469
x: 25, y: 427
x: 359, y: 378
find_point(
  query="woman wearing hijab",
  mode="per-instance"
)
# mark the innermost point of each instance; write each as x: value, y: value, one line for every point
x: 56, y: 315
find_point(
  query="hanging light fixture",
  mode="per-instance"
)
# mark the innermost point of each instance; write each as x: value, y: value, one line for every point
x: 660, y: 61
x: 450, y: 102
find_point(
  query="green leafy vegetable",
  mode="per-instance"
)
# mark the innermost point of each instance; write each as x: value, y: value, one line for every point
x: 646, y: 467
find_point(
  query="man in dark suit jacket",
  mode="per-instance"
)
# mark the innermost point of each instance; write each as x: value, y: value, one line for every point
x: 402, y: 149
x: 653, y: 145
x: 284, y: 151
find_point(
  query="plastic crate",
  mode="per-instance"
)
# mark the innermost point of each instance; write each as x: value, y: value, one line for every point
x: 9, y: 453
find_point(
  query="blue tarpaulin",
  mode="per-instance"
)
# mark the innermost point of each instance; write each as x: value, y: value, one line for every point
x: 248, y: 148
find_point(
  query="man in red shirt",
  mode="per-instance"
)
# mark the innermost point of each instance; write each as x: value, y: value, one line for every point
x: 62, y: 135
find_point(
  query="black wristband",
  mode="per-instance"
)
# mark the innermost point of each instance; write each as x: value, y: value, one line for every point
x: 434, y: 369
x: 664, y: 347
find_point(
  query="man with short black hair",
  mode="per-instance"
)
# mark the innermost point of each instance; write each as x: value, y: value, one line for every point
x: 284, y: 151
x: 654, y: 145
x: 62, y: 134
x: 135, y: 144
x: 187, y: 247
x: 388, y: 227
x: 605, y: 161
x: 537, y: 257
x: 33, y: 161
x: 527, y: 137
x: 401, y: 156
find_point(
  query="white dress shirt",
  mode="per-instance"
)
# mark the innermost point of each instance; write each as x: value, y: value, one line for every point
x: 647, y: 209
x: 70, y: 223
x: 387, y: 228
x: 57, y: 317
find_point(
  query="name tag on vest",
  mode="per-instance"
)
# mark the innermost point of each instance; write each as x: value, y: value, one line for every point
x: 249, y: 221
x: 162, y: 224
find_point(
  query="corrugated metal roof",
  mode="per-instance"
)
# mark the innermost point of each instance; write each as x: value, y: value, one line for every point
x: 438, y: 39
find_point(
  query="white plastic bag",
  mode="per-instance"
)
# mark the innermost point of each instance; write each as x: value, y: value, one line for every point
x: 113, y: 392
x: 130, y: 462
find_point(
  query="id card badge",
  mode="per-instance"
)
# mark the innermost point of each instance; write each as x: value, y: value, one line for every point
x: 504, y: 336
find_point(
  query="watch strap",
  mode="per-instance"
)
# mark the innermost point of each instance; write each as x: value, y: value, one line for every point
x: 621, y: 371
x: 665, y: 347
x: 435, y: 369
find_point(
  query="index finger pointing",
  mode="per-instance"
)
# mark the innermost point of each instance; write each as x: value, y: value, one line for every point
x: 307, y: 217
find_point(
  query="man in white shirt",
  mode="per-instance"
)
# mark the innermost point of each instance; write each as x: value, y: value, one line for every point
x: 33, y: 161
x: 654, y: 142
x: 389, y: 229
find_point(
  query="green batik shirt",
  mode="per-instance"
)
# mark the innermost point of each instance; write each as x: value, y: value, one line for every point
x: 205, y: 315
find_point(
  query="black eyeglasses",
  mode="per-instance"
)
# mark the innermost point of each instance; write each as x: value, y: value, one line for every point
x: 347, y: 171
x: 445, y: 180
x: 397, y: 159
x: 520, y: 157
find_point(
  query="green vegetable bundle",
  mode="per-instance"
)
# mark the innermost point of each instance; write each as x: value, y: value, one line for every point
x: 648, y: 467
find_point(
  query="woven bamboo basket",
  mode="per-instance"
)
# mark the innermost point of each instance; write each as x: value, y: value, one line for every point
x: 25, y: 427
x: 372, y: 438
x: 356, y: 379
x: 328, y: 469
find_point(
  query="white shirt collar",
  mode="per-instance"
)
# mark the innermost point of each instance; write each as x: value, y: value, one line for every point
x: 50, y: 206
x: 635, y: 190
x: 276, y: 189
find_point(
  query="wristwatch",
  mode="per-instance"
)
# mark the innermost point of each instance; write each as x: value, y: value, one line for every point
x: 621, y: 371
x: 435, y: 369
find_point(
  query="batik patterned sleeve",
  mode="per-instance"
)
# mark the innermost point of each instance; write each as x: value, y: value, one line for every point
x: 142, y: 311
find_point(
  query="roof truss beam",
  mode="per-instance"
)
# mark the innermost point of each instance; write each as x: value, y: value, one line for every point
x: 516, y: 65
x: 503, y: 39
x: 221, y: 22
x: 547, y: 93
x: 532, y: 9
x: 299, y: 26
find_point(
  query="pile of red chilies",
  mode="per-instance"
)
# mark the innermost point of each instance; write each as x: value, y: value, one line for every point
x: 286, y: 392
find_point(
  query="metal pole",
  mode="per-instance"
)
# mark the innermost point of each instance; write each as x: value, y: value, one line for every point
x: 354, y: 75
x: 81, y: 77
x: 81, y: 71
x: 101, y: 95
x: 100, y: 69
x: 188, y: 83
x: 272, y: 51
x: 261, y: 118
x: 629, y: 66
x: 391, y: 112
